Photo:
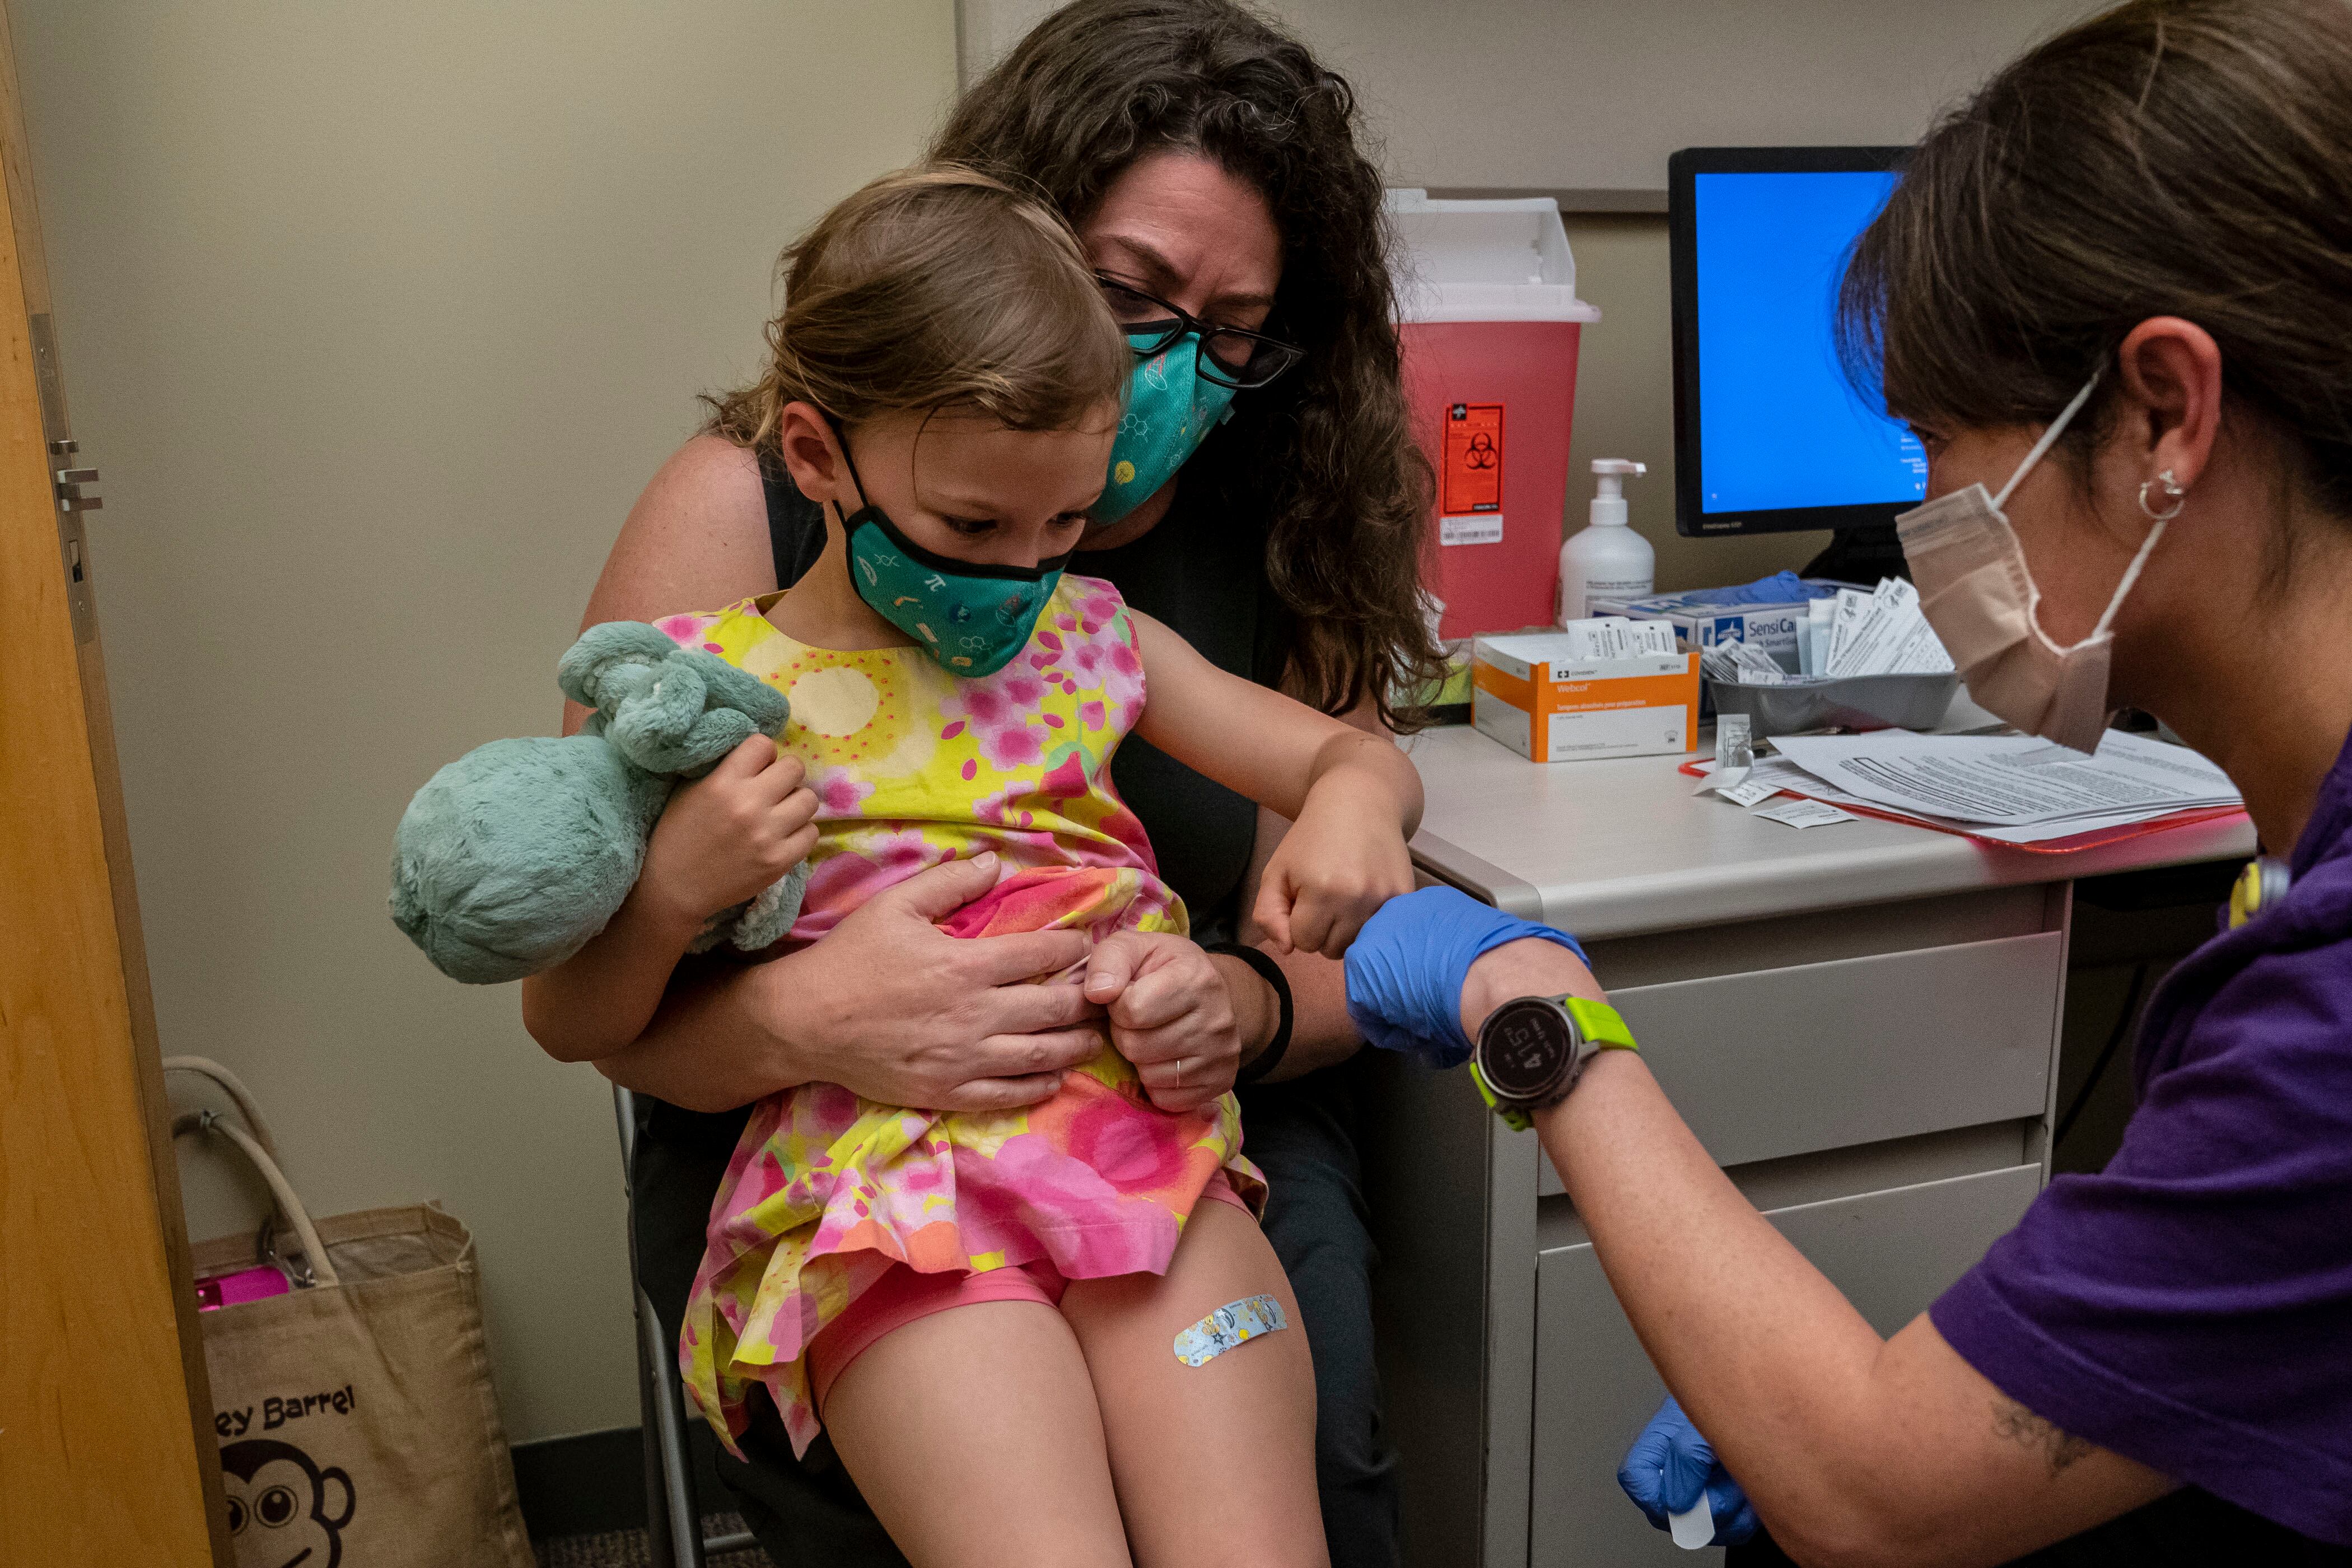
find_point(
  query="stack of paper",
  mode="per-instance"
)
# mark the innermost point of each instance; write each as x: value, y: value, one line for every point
x: 1745, y: 664
x: 1615, y: 637
x: 1882, y: 633
x: 2016, y: 789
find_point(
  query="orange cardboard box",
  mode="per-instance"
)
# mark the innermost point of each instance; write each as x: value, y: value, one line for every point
x: 1528, y: 692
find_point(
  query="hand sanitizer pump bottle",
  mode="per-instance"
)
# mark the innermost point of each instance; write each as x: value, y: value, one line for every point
x: 1605, y: 559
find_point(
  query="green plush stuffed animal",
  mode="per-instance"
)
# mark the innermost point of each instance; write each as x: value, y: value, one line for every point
x: 511, y: 858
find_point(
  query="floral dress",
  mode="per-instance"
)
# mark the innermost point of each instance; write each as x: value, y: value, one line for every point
x: 826, y: 1191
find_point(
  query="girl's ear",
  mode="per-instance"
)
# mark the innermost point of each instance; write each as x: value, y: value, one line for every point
x: 812, y: 455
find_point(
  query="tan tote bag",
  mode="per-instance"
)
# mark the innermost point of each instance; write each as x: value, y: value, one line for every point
x: 355, y: 1415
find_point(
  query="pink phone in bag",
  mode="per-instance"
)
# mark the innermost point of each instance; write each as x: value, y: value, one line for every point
x: 219, y: 1290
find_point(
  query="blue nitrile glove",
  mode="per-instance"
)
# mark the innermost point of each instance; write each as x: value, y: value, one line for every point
x: 1669, y: 1464
x: 1407, y: 967
x: 1782, y: 587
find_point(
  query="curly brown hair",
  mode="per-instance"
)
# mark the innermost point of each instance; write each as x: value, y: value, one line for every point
x: 1322, y: 461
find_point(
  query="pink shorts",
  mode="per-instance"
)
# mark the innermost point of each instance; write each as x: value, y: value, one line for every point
x: 903, y: 1295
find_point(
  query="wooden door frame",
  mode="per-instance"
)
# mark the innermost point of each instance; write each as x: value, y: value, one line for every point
x: 107, y: 1449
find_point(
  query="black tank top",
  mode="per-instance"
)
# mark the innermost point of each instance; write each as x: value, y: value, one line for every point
x: 1205, y: 579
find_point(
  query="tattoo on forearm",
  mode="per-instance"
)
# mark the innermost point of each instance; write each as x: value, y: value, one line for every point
x: 2021, y: 1425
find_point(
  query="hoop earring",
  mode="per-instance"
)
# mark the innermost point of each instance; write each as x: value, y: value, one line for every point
x: 2174, y: 492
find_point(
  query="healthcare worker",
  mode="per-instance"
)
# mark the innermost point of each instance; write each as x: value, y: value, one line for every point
x: 2112, y: 294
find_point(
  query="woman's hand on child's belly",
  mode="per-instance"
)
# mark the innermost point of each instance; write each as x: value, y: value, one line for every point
x: 897, y: 1010
x: 1170, y: 1013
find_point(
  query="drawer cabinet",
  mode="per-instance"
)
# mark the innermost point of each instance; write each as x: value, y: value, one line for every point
x: 1873, y: 1079
x: 1775, y: 1062
x: 1892, y: 1253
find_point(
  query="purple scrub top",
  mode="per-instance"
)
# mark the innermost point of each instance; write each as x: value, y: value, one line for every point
x: 2190, y: 1306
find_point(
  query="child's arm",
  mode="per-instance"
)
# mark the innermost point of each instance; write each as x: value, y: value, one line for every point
x: 720, y: 840
x: 1353, y: 798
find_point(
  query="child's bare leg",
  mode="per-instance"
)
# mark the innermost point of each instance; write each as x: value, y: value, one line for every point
x: 1214, y: 1464
x: 974, y: 1433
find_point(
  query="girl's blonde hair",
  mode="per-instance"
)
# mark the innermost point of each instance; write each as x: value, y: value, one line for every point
x: 934, y: 288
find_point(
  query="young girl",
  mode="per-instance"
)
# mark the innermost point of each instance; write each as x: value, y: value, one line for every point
x: 1045, y: 1335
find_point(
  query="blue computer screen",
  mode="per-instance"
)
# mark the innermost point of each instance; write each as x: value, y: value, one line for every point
x: 1779, y: 425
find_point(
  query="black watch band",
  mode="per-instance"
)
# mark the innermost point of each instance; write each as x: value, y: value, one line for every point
x: 1266, y: 1060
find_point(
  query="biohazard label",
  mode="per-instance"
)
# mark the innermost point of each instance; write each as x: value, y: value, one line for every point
x: 1473, y: 477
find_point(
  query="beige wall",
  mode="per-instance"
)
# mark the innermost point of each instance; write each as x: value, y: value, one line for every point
x: 1595, y: 93
x: 1592, y: 95
x: 375, y: 318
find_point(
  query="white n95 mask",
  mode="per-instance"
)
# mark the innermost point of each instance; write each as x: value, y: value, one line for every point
x: 1981, y: 601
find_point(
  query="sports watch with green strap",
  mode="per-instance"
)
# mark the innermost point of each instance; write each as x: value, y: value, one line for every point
x: 1531, y: 1050
x: 2261, y: 884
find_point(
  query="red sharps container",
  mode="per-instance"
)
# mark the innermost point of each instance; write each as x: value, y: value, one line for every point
x: 1489, y: 318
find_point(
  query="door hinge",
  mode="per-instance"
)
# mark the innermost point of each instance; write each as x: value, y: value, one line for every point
x: 70, y: 481
x: 66, y: 481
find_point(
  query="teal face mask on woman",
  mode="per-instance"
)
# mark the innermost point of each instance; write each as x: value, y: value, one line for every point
x: 1171, y: 409
x: 972, y: 619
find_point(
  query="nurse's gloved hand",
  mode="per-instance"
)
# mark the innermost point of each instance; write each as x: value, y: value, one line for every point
x: 1670, y: 1465
x: 1407, y: 967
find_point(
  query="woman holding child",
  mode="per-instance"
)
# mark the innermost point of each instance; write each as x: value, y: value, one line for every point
x: 1264, y: 506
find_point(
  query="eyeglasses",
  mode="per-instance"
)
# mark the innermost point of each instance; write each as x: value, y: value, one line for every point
x: 1228, y: 354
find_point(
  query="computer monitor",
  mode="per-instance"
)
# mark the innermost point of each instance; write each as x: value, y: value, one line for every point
x: 1769, y: 434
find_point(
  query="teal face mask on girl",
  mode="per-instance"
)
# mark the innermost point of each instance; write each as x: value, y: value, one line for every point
x: 972, y: 619
x: 1171, y: 409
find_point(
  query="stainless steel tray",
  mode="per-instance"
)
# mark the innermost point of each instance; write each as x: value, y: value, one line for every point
x: 1855, y: 702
